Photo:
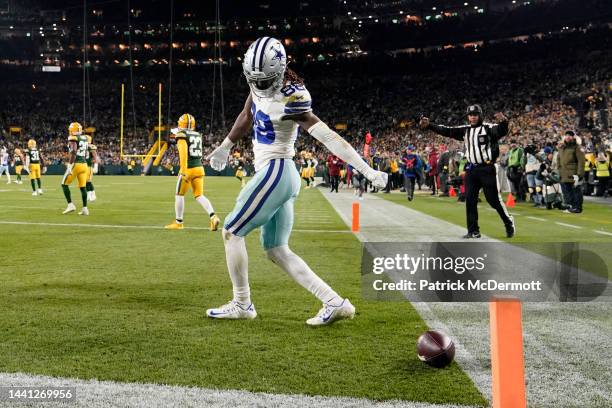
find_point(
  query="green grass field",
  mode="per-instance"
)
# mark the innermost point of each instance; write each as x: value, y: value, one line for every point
x: 84, y: 298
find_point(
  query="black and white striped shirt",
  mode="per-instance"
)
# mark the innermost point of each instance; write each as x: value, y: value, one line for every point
x: 480, y: 141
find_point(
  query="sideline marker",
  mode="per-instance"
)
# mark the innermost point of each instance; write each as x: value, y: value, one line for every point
x: 355, y: 225
x: 507, y: 358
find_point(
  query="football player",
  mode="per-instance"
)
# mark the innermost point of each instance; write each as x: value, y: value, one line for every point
x: 92, y: 168
x: 18, y: 161
x: 33, y: 162
x: 278, y: 104
x: 240, y: 173
x: 191, y: 173
x: 78, y: 144
x: 4, y: 164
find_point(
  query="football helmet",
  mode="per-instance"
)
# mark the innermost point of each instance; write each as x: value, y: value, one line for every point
x: 186, y: 121
x: 31, y: 144
x: 474, y: 110
x: 75, y: 129
x: 264, y: 66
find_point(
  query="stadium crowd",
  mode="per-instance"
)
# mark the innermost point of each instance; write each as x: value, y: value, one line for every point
x: 542, y: 89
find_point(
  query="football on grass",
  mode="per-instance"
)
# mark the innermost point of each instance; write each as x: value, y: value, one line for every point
x: 435, y: 348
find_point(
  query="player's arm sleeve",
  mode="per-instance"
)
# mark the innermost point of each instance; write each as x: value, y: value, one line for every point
x: 94, y: 152
x: 181, y: 145
x: 338, y: 146
x: 454, y: 132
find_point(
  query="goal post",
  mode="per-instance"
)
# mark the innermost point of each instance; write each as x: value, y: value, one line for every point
x: 159, y: 128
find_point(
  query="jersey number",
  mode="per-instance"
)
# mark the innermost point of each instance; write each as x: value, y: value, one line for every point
x: 34, y: 155
x: 195, y: 146
x: 263, y: 129
x: 82, y: 149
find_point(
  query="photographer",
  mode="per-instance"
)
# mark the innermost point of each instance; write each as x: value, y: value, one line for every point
x: 481, y: 142
x: 531, y: 168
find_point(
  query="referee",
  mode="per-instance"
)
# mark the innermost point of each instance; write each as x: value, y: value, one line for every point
x: 481, y: 150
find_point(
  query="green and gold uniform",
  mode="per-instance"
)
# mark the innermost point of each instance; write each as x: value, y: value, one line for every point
x: 79, y: 170
x: 189, y: 144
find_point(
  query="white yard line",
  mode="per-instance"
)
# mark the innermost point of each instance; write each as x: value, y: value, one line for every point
x: 568, y: 225
x: 106, y: 394
x: 156, y: 227
x: 535, y: 218
x: 603, y: 232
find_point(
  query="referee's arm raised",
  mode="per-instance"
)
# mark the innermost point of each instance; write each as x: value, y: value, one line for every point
x: 500, y: 129
x: 454, y: 132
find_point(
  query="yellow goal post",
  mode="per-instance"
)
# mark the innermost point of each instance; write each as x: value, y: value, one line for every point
x: 159, y: 127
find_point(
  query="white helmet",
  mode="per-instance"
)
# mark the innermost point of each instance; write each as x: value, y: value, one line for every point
x: 264, y: 66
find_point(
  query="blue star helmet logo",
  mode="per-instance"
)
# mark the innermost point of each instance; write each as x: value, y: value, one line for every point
x: 279, y: 55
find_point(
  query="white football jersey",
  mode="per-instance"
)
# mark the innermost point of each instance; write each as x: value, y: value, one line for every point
x: 4, y: 159
x: 274, y: 138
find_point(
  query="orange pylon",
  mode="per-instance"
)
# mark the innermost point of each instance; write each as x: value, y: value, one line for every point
x: 507, y: 358
x: 510, y: 201
x: 355, y: 224
x: 452, y: 192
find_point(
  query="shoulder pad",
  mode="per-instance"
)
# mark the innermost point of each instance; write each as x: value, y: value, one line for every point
x: 296, y: 98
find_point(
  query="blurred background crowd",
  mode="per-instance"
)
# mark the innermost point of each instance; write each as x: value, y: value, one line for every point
x: 370, y: 71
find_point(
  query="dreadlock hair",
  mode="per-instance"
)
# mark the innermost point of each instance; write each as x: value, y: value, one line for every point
x: 291, y: 76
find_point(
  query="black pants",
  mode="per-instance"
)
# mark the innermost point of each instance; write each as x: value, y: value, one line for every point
x: 409, y: 185
x: 335, y: 182
x: 484, y: 177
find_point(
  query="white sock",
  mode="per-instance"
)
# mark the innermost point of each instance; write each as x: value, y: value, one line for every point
x: 238, y: 266
x: 205, y: 203
x: 179, y: 207
x: 295, y: 266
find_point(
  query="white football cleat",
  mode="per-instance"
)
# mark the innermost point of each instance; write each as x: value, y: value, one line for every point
x: 40, y: 191
x: 330, y: 313
x: 233, y: 310
x: 84, y: 211
x: 34, y: 193
x: 69, y: 209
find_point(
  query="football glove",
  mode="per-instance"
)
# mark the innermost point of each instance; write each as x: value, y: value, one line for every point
x: 69, y: 167
x: 218, y: 158
x: 95, y: 168
x: 378, y: 178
